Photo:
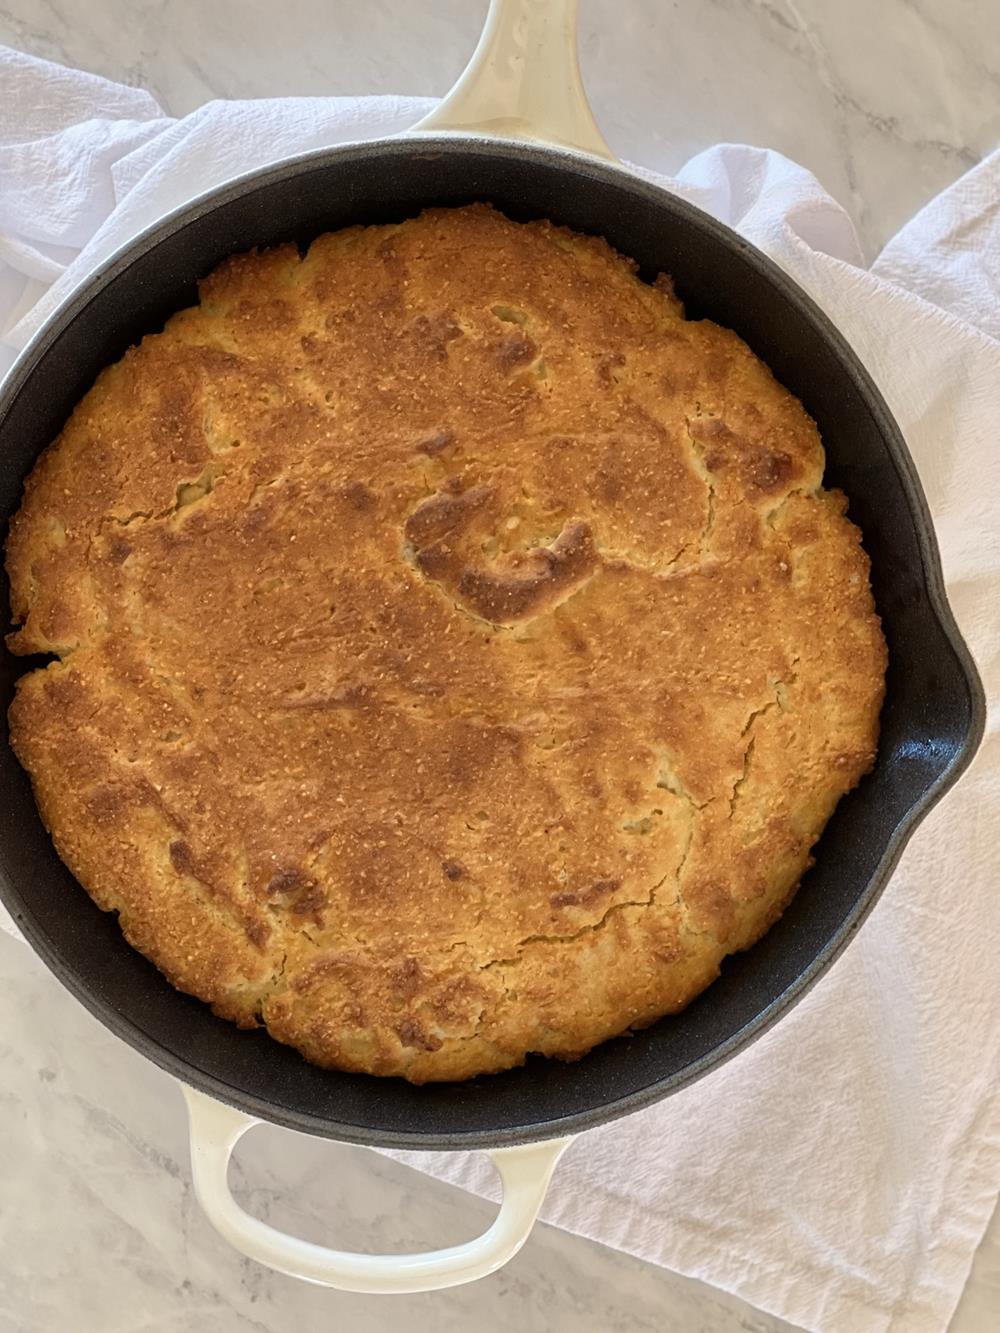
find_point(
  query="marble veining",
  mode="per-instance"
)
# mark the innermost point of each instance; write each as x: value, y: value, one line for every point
x: 99, y: 1230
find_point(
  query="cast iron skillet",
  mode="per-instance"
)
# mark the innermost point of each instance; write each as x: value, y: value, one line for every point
x: 931, y: 723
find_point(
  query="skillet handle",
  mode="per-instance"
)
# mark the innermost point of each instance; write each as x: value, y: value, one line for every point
x: 523, y: 81
x: 524, y: 1171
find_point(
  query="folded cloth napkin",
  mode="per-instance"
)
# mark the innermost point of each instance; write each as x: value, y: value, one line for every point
x: 841, y: 1172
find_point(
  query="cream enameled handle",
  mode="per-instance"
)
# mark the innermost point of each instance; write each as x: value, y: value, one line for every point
x: 523, y: 81
x: 524, y: 1171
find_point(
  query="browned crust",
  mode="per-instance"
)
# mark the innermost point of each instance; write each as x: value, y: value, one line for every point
x: 458, y: 654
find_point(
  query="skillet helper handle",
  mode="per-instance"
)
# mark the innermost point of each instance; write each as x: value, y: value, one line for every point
x: 523, y: 81
x: 524, y: 1171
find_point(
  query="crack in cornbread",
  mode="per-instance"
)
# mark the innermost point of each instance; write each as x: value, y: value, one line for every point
x: 456, y: 653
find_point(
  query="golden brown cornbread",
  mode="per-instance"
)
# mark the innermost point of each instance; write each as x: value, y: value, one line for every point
x: 457, y: 653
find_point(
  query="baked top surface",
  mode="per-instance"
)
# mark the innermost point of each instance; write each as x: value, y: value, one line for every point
x: 458, y: 653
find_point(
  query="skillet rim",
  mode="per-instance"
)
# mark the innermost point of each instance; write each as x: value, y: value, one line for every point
x: 932, y: 579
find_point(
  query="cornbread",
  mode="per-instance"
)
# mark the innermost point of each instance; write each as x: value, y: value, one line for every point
x: 455, y: 654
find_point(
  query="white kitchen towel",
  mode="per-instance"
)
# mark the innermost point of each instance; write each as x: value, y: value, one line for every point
x: 841, y: 1172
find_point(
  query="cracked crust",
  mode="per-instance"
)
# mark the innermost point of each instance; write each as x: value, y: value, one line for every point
x: 457, y: 653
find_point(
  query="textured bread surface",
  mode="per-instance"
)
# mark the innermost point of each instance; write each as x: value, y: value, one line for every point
x: 456, y: 654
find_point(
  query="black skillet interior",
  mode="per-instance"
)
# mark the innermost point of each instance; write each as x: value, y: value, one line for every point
x: 931, y: 724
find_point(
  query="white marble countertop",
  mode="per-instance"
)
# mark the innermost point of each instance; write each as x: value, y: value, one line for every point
x: 887, y: 104
x: 99, y: 1230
